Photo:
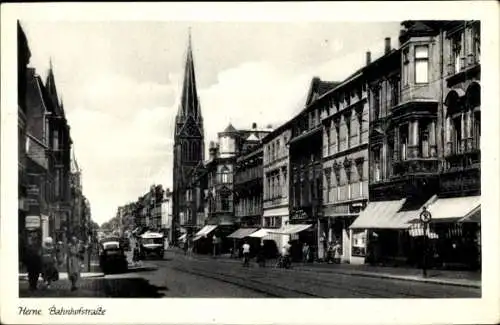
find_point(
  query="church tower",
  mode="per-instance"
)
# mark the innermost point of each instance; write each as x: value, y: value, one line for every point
x: 189, y: 146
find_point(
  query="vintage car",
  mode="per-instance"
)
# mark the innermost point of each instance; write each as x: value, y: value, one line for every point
x: 152, y: 243
x: 112, y: 256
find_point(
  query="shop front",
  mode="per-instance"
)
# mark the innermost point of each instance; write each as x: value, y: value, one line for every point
x: 297, y: 235
x: 457, y: 224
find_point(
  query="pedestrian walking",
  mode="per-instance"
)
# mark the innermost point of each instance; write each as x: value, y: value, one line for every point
x: 261, y: 256
x: 49, y: 262
x: 135, y: 254
x: 329, y: 253
x: 305, y: 253
x: 185, y: 246
x: 33, y: 259
x: 337, y: 252
x: 74, y: 262
x: 246, y: 254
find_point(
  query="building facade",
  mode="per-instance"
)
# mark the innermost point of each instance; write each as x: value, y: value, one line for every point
x: 189, y: 145
x: 248, y: 187
x: 425, y: 146
x: 276, y: 175
x: 306, y: 170
x: 345, y: 160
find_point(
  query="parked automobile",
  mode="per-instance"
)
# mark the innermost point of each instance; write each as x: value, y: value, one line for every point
x: 152, y: 243
x: 112, y: 256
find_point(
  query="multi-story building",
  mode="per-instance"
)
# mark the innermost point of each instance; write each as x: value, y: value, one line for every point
x: 220, y: 172
x: 305, y: 154
x: 248, y: 185
x: 345, y: 159
x: 276, y: 173
x: 189, y: 145
x: 424, y: 144
x: 166, y: 213
x: 23, y: 57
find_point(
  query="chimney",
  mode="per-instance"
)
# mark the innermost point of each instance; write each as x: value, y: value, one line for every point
x: 368, y: 58
x: 387, y: 45
x: 254, y: 126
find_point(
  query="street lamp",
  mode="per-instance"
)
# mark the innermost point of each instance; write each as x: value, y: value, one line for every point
x: 425, y: 218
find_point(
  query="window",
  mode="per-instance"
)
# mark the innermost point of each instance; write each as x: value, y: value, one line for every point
x: 457, y: 134
x: 403, y: 133
x: 225, y: 176
x: 224, y: 201
x: 278, y: 185
x: 424, y: 142
x: 348, y: 131
x: 278, y: 148
x: 329, y: 138
x: 476, y: 35
x: 421, y: 64
x: 360, y: 127
x: 376, y: 165
x: 376, y: 102
x: 406, y: 67
x: 337, y: 135
x: 395, y: 91
x: 55, y: 144
x: 477, y: 130
x: 456, y: 52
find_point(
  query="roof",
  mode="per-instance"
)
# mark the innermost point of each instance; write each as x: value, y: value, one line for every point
x: 319, y: 87
x: 253, y: 138
x: 230, y: 128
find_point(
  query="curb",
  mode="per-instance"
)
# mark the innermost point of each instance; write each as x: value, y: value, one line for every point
x: 65, y: 276
x: 397, y: 277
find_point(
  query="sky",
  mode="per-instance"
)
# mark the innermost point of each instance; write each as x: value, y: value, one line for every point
x: 120, y: 83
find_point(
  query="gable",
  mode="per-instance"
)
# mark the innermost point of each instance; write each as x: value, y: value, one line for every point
x: 190, y: 129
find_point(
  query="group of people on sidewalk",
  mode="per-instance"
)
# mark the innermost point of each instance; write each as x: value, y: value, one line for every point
x: 51, y: 257
x: 333, y: 254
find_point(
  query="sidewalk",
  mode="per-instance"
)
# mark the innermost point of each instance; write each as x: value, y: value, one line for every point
x: 444, y: 277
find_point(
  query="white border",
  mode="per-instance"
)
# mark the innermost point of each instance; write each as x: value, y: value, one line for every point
x: 257, y: 311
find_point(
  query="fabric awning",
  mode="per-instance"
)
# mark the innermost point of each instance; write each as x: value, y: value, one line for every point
x: 378, y: 215
x: 290, y: 229
x: 453, y: 209
x: 473, y: 217
x: 204, y: 231
x: 260, y: 233
x: 276, y: 212
x: 242, y: 233
x: 182, y: 237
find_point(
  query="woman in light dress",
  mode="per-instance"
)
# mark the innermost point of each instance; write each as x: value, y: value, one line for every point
x: 74, y: 261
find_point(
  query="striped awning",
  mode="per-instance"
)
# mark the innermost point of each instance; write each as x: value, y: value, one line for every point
x: 290, y: 229
x: 454, y: 209
x: 379, y: 215
x: 242, y: 233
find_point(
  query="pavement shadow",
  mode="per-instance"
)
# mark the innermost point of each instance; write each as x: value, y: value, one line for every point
x: 131, y: 288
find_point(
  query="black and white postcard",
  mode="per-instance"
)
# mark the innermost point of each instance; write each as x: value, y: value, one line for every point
x: 204, y: 163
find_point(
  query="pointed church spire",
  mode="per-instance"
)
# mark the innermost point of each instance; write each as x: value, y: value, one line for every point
x: 189, y: 105
x: 50, y: 84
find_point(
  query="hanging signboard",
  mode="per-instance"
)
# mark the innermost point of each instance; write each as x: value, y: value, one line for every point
x: 32, y: 222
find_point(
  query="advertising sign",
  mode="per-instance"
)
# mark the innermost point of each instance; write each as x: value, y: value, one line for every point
x: 32, y: 222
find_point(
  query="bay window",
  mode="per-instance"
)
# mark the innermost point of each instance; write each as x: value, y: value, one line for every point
x: 403, y: 138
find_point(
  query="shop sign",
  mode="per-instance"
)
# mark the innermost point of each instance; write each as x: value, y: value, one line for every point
x: 32, y: 222
x: 299, y: 215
